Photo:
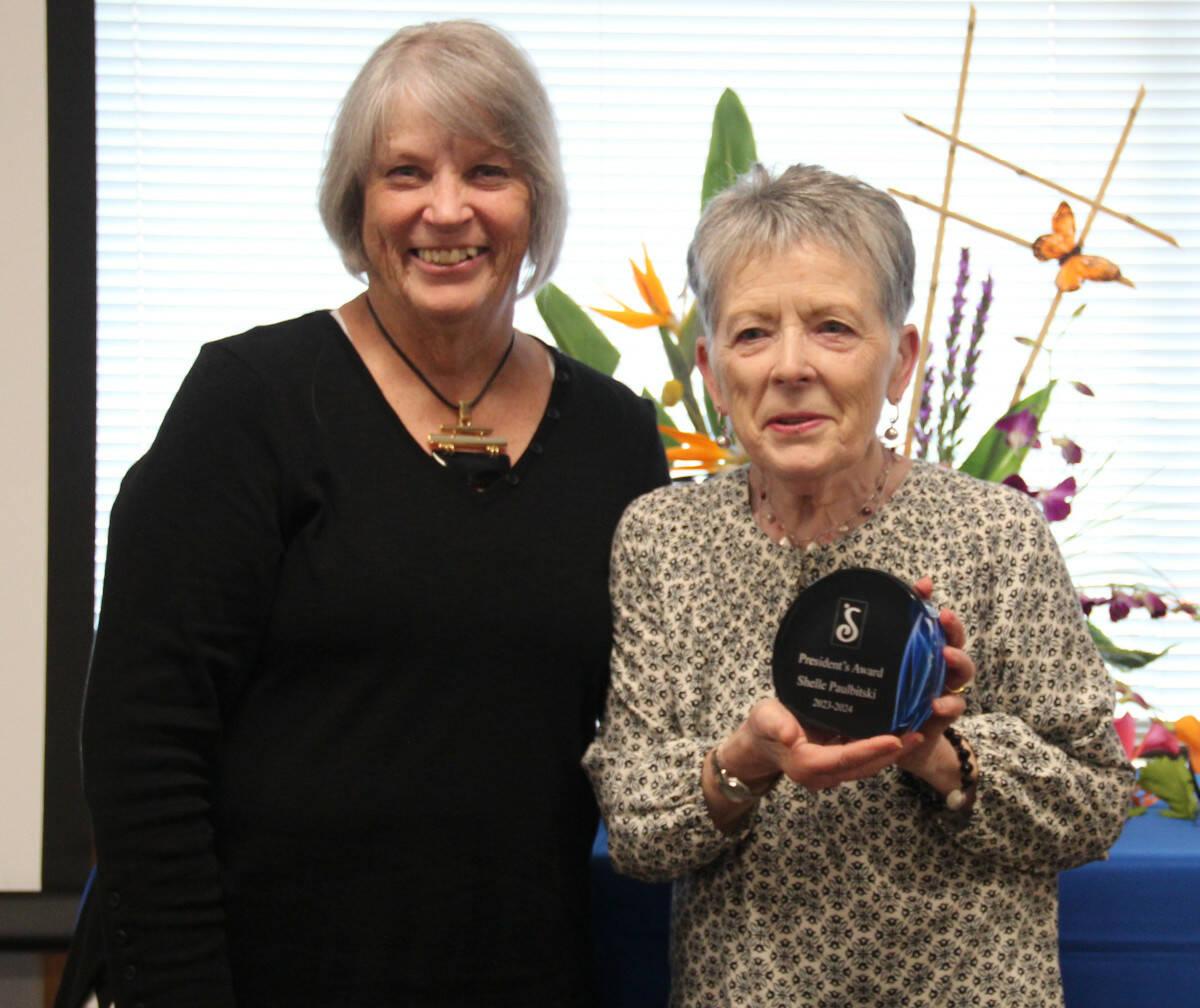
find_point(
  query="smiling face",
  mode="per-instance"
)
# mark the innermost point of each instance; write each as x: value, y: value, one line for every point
x: 445, y: 226
x: 802, y: 359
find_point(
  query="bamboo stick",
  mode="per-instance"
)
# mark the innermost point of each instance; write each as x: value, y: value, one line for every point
x: 962, y: 217
x: 1079, y: 197
x: 923, y: 351
x: 1112, y: 167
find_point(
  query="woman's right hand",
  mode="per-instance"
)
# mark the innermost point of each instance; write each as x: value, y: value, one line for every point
x: 771, y: 743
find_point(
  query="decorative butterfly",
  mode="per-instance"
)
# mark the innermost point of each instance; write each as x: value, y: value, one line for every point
x: 1074, y: 266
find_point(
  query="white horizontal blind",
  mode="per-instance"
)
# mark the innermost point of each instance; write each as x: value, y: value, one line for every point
x: 211, y: 120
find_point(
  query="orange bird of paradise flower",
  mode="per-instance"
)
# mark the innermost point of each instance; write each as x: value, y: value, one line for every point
x: 698, y: 453
x: 1074, y: 266
x: 651, y: 290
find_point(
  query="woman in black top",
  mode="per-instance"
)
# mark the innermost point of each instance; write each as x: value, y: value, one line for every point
x: 355, y: 627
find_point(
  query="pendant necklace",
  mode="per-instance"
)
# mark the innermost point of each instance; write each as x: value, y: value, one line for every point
x: 464, y: 445
x: 809, y: 543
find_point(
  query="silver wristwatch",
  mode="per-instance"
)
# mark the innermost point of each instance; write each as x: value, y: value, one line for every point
x: 732, y: 788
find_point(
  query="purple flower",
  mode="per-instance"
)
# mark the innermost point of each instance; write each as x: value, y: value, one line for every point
x: 926, y: 407
x: 1070, y: 450
x: 974, y: 343
x: 1120, y: 605
x: 946, y: 427
x: 1156, y: 606
x: 1021, y: 428
x: 921, y: 430
x: 967, y: 379
x: 1053, y: 500
x: 1083, y: 389
x: 1126, y: 598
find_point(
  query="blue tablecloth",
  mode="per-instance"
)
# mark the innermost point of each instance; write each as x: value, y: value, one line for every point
x: 1128, y: 926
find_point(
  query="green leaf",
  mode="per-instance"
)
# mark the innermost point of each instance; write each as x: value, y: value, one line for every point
x: 576, y: 334
x: 1171, y: 779
x: 993, y: 459
x: 1118, y: 656
x: 731, y: 151
x: 680, y: 369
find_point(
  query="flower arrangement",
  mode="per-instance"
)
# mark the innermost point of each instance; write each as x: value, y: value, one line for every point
x: 1168, y: 755
x: 943, y: 404
x: 705, y: 448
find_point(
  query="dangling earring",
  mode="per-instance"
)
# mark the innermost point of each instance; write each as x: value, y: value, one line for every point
x: 891, y: 434
x: 723, y: 439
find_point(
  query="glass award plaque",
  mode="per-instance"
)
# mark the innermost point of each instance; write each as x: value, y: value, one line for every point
x: 859, y: 653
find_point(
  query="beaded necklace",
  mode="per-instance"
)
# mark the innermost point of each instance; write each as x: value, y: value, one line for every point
x: 760, y: 504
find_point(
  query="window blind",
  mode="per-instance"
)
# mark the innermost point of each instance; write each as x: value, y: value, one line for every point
x: 211, y: 121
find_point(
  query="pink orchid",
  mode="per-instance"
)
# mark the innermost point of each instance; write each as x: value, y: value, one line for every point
x: 1127, y: 732
x: 1053, y: 499
x: 1157, y: 739
x: 1021, y: 429
x: 1070, y: 450
x: 1119, y: 605
x: 1156, y: 606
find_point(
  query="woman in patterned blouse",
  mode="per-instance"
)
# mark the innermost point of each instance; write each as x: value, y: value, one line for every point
x: 820, y: 873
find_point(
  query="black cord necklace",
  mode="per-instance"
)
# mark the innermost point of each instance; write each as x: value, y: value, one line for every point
x: 463, y: 407
x: 461, y: 446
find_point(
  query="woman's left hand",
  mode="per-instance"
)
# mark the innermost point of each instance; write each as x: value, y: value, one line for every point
x: 934, y: 759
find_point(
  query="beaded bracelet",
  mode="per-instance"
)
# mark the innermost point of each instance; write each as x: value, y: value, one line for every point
x: 957, y: 798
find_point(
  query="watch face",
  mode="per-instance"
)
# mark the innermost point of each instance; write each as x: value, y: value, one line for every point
x: 734, y: 788
x: 729, y: 786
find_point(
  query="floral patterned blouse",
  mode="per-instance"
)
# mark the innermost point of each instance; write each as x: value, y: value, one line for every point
x: 865, y: 894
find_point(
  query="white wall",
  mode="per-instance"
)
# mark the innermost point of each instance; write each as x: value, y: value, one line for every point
x: 23, y: 440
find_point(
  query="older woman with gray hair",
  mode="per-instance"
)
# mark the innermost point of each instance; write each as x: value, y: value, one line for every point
x: 913, y: 869
x: 355, y: 629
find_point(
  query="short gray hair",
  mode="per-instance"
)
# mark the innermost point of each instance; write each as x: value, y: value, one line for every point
x: 477, y: 83
x: 763, y: 215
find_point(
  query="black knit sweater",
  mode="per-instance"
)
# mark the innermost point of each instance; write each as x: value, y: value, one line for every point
x: 338, y: 700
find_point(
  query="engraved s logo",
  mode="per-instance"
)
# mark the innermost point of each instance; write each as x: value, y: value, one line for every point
x: 848, y: 630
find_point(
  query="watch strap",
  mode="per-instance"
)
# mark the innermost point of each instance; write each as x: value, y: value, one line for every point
x: 731, y: 787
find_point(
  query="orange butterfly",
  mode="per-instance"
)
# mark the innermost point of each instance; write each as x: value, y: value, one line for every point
x: 1074, y: 267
